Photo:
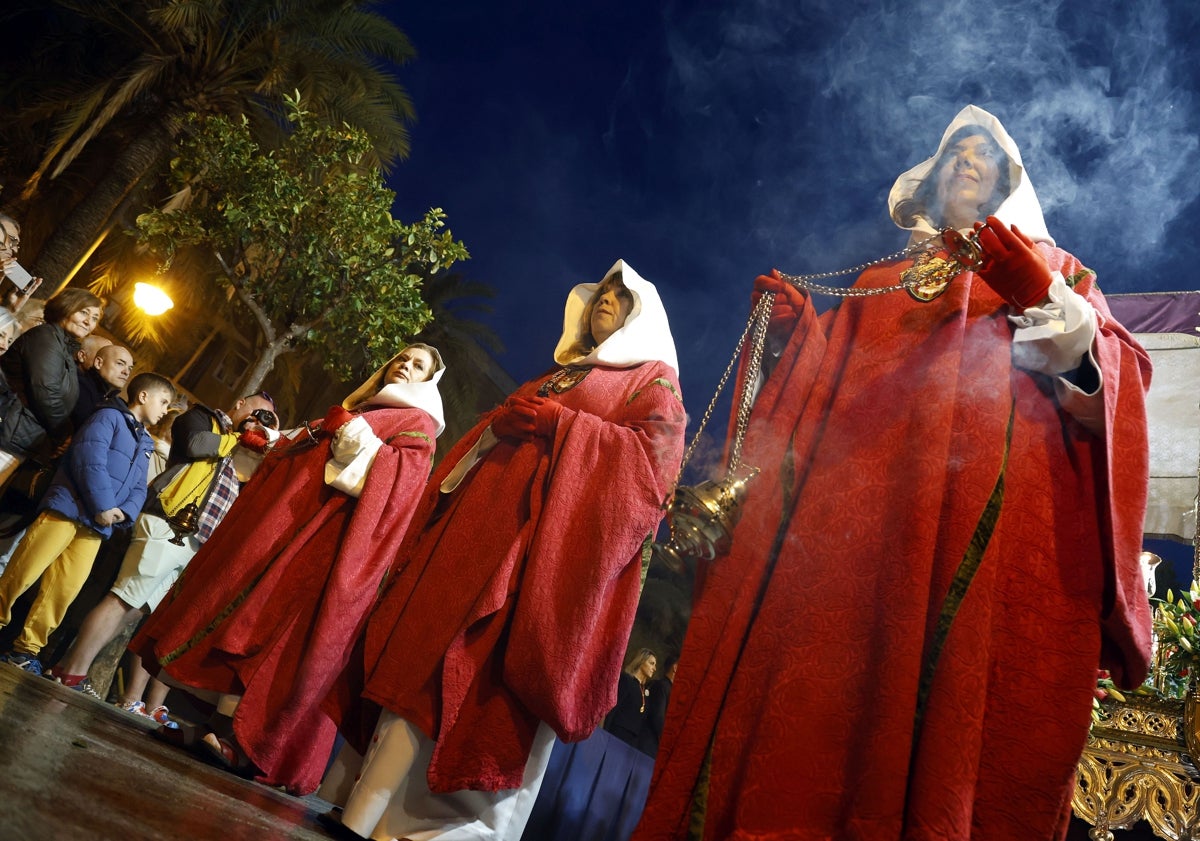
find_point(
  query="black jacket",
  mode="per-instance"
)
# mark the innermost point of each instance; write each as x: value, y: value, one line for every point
x: 40, y: 368
x: 93, y: 390
x: 192, y: 439
x: 626, y: 719
x: 658, y: 693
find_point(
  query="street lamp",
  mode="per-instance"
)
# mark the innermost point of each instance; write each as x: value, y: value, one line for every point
x: 150, y: 299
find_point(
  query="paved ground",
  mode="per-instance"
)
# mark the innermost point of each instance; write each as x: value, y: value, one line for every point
x: 76, y: 769
x: 73, y: 768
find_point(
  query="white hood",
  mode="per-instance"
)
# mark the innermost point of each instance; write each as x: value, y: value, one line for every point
x: 1021, y: 207
x: 645, y: 335
x: 424, y: 396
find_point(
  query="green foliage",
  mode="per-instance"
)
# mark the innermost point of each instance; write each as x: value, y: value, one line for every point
x: 304, y: 236
x: 1175, y: 620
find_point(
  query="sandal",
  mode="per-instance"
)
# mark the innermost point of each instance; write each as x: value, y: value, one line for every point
x: 226, y: 754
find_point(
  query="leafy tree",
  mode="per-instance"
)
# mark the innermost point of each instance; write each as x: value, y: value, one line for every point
x: 159, y: 60
x: 303, y: 236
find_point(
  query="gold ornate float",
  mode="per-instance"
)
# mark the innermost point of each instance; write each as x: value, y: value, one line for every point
x: 1139, y: 766
x: 1143, y: 750
x: 1142, y: 758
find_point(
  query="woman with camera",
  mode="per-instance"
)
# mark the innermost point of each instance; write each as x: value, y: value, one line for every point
x: 271, y: 605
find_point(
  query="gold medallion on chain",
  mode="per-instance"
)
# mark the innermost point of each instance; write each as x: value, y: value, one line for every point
x: 929, y: 276
x: 564, y: 379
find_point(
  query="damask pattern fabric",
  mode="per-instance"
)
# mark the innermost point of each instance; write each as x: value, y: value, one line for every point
x: 273, y: 602
x: 884, y: 432
x: 496, y: 623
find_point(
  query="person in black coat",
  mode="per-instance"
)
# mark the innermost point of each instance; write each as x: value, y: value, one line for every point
x: 40, y: 369
x: 628, y: 717
x: 105, y: 377
x: 658, y: 694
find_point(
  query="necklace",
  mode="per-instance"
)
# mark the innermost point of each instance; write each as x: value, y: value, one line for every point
x: 564, y: 379
x: 927, y: 278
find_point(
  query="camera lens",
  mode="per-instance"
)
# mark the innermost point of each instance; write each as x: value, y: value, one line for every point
x: 266, y: 417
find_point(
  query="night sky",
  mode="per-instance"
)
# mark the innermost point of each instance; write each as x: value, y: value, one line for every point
x: 706, y: 143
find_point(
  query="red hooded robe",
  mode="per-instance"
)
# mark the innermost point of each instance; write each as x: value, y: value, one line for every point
x: 518, y: 589
x: 273, y: 602
x: 903, y: 641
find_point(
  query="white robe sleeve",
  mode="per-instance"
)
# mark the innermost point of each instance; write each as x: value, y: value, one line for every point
x: 1056, y: 339
x: 354, y: 448
x: 482, y: 447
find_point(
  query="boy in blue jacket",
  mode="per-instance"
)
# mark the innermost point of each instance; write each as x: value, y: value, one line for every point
x: 100, y: 484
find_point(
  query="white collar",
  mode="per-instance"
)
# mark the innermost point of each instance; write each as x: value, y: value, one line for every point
x: 645, y: 336
x: 424, y: 396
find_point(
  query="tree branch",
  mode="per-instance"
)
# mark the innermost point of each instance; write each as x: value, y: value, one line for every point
x: 264, y: 323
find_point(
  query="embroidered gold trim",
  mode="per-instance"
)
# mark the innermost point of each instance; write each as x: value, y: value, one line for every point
x: 665, y: 383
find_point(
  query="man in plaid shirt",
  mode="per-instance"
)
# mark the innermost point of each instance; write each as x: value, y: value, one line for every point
x: 153, y: 562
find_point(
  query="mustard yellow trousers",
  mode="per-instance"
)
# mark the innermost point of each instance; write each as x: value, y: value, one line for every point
x: 61, y: 553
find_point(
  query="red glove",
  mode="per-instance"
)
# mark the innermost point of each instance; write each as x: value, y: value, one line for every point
x: 789, y: 302
x: 546, y: 420
x: 1012, y: 265
x: 517, y: 420
x: 526, y: 417
x: 254, y: 440
x: 335, y: 419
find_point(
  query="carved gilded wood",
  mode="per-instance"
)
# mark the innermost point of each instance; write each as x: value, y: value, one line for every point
x: 1139, y: 766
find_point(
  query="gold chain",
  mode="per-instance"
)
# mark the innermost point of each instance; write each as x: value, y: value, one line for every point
x: 197, y: 489
x: 760, y: 319
x: 965, y: 251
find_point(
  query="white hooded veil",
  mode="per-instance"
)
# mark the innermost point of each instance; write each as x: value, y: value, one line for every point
x: 645, y: 336
x: 424, y: 396
x: 1020, y: 207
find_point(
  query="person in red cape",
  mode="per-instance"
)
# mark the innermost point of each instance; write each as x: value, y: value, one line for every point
x: 941, y: 550
x: 272, y: 604
x: 517, y: 584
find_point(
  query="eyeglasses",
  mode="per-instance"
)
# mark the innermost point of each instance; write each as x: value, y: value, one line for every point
x: 264, y: 396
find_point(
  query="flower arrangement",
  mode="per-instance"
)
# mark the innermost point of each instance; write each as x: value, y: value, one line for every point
x: 1178, y: 653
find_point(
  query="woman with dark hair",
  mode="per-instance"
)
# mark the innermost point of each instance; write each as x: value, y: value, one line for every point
x: 40, y: 369
x: 928, y: 201
x: 941, y: 548
x: 273, y: 602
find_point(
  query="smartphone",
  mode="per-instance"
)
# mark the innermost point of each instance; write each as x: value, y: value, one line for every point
x: 15, y: 272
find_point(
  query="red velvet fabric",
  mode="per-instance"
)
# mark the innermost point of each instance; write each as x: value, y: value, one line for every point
x: 272, y: 604
x: 515, y: 594
x: 881, y: 434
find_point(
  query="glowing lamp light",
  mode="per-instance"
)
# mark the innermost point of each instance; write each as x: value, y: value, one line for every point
x: 150, y: 299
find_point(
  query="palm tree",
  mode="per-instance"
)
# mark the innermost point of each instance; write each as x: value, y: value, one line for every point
x: 474, y: 382
x: 166, y: 58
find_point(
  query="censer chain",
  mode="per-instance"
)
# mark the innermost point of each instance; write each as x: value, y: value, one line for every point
x: 965, y: 253
x: 759, y: 321
x: 756, y: 324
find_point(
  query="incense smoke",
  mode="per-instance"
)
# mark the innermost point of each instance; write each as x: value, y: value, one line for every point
x: 834, y: 103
